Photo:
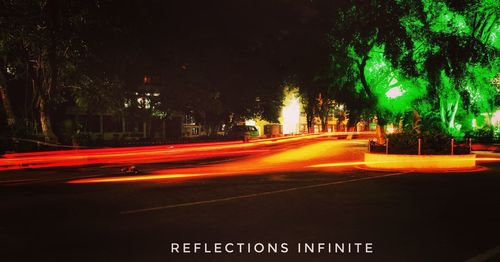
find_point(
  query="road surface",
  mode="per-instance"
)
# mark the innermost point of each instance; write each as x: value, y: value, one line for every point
x: 253, y: 197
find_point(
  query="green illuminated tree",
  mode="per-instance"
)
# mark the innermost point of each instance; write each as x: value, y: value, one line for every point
x: 423, y: 58
x: 368, y: 41
x: 457, y: 52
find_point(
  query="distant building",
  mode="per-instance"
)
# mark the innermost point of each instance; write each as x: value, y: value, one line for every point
x: 141, y: 119
x: 190, y: 128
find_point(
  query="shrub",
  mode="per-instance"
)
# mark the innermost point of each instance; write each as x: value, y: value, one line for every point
x: 403, y: 143
x: 433, y: 143
x: 483, y: 135
x: 436, y: 143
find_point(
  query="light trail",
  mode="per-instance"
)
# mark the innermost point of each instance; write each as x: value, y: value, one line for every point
x: 134, y: 178
x: 296, y: 159
x: 292, y: 160
x: 143, y: 158
x: 338, y: 164
x: 145, y: 154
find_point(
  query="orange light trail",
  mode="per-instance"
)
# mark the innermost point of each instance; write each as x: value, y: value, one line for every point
x: 134, y: 178
x: 144, y: 154
x: 327, y: 165
x: 295, y: 159
x: 256, y: 165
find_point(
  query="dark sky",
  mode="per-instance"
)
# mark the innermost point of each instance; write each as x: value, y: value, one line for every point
x: 242, y: 36
x: 223, y: 19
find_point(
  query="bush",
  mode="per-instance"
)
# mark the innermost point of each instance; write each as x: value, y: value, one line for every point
x: 436, y: 143
x: 433, y: 143
x: 483, y: 135
x: 403, y: 143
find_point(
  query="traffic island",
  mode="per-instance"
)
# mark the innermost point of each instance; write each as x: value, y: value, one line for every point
x: 420, y: 162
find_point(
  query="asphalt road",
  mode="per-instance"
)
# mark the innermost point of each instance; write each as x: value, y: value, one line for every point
x: 265, y: 197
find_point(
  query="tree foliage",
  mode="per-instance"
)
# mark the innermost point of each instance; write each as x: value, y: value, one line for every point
x: 429, y: 57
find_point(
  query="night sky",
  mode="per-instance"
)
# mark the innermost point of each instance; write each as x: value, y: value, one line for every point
x: 163, y: 36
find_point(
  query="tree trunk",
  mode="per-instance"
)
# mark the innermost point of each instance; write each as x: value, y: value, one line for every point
x: 448, y: 112
x: 211, y: 129
x: 325, y: 110
x: 324, y: 122
x: 48, y: 71
x: 361, y: 67
x: 310, y: 118
x: 311, y: 110
x: 380, y: 131
x: 4, y: 96
x: 47, y: 130
x: 416, y: 122
x: 453, y: 114
x: 352, y: 126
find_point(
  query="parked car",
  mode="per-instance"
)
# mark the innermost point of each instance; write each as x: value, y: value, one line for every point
x: 239, y: 132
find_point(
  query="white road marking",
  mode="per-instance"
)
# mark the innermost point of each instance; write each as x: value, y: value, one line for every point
x: 196, y: 203
x: 486, y: 256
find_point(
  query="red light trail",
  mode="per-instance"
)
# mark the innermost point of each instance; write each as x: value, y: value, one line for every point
x: 144, y: 154
x: 319, y: 155
x: 295, y: 159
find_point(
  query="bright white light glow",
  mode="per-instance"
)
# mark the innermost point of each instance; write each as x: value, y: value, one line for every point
x: 495, y: 120
x: 144, y: 102
x: 394, y: 92
x: 291, y: 116
x: 250, y: 122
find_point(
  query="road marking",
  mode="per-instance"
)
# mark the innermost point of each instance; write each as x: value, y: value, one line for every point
x: 486, y: 256
x: 196, y: 203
